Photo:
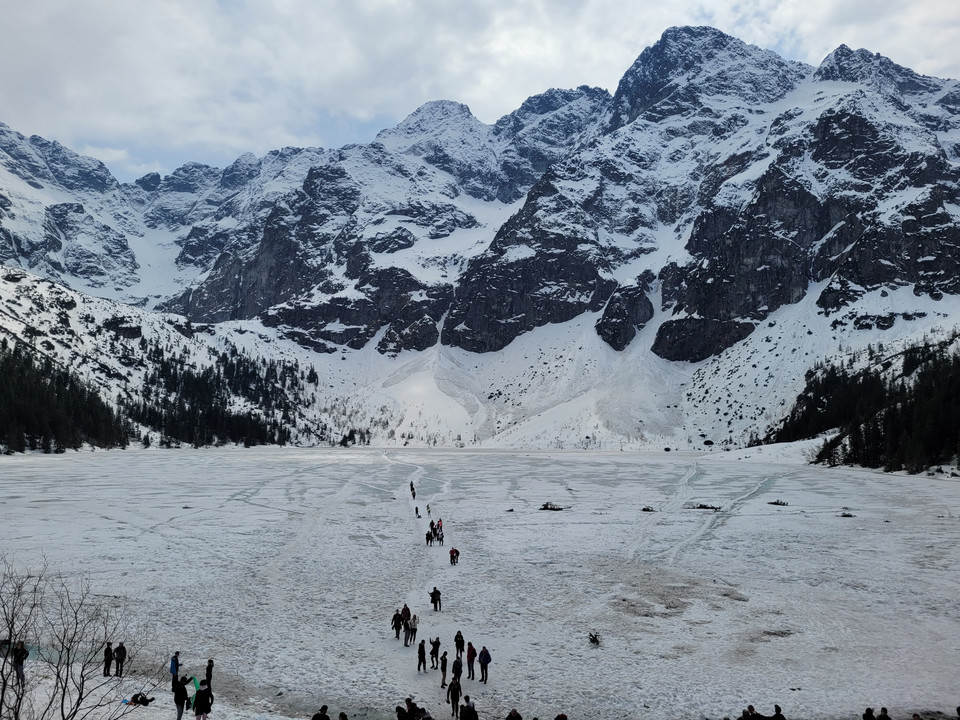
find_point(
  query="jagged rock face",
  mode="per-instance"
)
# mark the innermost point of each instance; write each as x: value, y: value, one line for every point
x: 695, y: 339
x: 530, y: 276
x: 627, y: 311
x: 720, y: 181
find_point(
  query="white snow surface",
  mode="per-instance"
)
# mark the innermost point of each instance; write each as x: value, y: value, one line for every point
x: 286, y: 565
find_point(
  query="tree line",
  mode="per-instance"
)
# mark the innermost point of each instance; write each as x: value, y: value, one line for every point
x: 895, y: 420
x: 44, y: 407
x: 236, y: 399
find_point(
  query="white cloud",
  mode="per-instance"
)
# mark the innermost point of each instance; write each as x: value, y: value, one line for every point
x: 170, y: 80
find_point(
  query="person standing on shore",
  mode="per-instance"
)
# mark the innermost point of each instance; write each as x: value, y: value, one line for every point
x: 180, y: 694
x: 443, y: 669
x: 20, y: 655
x: 458, y: 643
x: 119, y: 657
x: 210, y: 673
x: 174, y: 668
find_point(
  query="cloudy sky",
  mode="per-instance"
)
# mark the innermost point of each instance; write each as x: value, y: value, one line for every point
x: 146, y: 85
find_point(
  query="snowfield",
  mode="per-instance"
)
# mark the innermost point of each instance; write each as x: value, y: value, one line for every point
x: 285, y: 565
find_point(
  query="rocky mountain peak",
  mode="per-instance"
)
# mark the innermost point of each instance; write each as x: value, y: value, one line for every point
x: 429, y: 121
x: 873, y: 70
x: 688, y: 63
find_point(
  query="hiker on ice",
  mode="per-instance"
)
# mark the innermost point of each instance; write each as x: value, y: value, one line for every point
x: 457, y: 668
x: 107, y: 659
x: 422, y: 656
x: 454, y: 556
x: 435, y: 598
x: 471, y: 657
x: 443, y: 669
x: 458, y: 643
x: 397, y: 623
x: 414, y: 624
x: 434, y: 653
x: 484, y: 659
x: 453, y: 697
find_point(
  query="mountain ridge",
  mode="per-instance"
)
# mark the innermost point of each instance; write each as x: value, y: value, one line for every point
x: 718, y: 189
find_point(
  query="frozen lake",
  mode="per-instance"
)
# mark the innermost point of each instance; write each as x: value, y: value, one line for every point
x: 286, y: 565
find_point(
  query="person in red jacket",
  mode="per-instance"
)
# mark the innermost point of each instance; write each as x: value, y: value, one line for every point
x: 471, y: 657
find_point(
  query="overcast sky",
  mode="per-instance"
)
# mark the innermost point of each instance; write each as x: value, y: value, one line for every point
x: 146, y: 85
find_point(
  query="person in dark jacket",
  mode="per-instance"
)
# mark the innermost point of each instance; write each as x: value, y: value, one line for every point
x: 434, y: 653
x: 435, y: 598
x: 458, y: 643
x: 140, y: 699
x: 453, y: 697
x: 119, y: 657
x: 107, y: 659
x: 20, y: 655
x: 397, y: 623
x: 180, y: 694
x: 321, y: 714
x: 484, y: 659
x: 210, y: 674
x: 457, y: 668
x: 422, y: 656
x: 443, y: 669
x: 203, y: 701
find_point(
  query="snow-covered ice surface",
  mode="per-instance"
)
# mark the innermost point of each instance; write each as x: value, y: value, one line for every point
x: 285, y: 565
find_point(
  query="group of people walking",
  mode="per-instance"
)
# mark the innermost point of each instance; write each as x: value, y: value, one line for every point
x: 461, y: 706
x: 201, y: 702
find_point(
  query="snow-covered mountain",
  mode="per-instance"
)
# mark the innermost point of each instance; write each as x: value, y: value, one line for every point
x: 657, y: 266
